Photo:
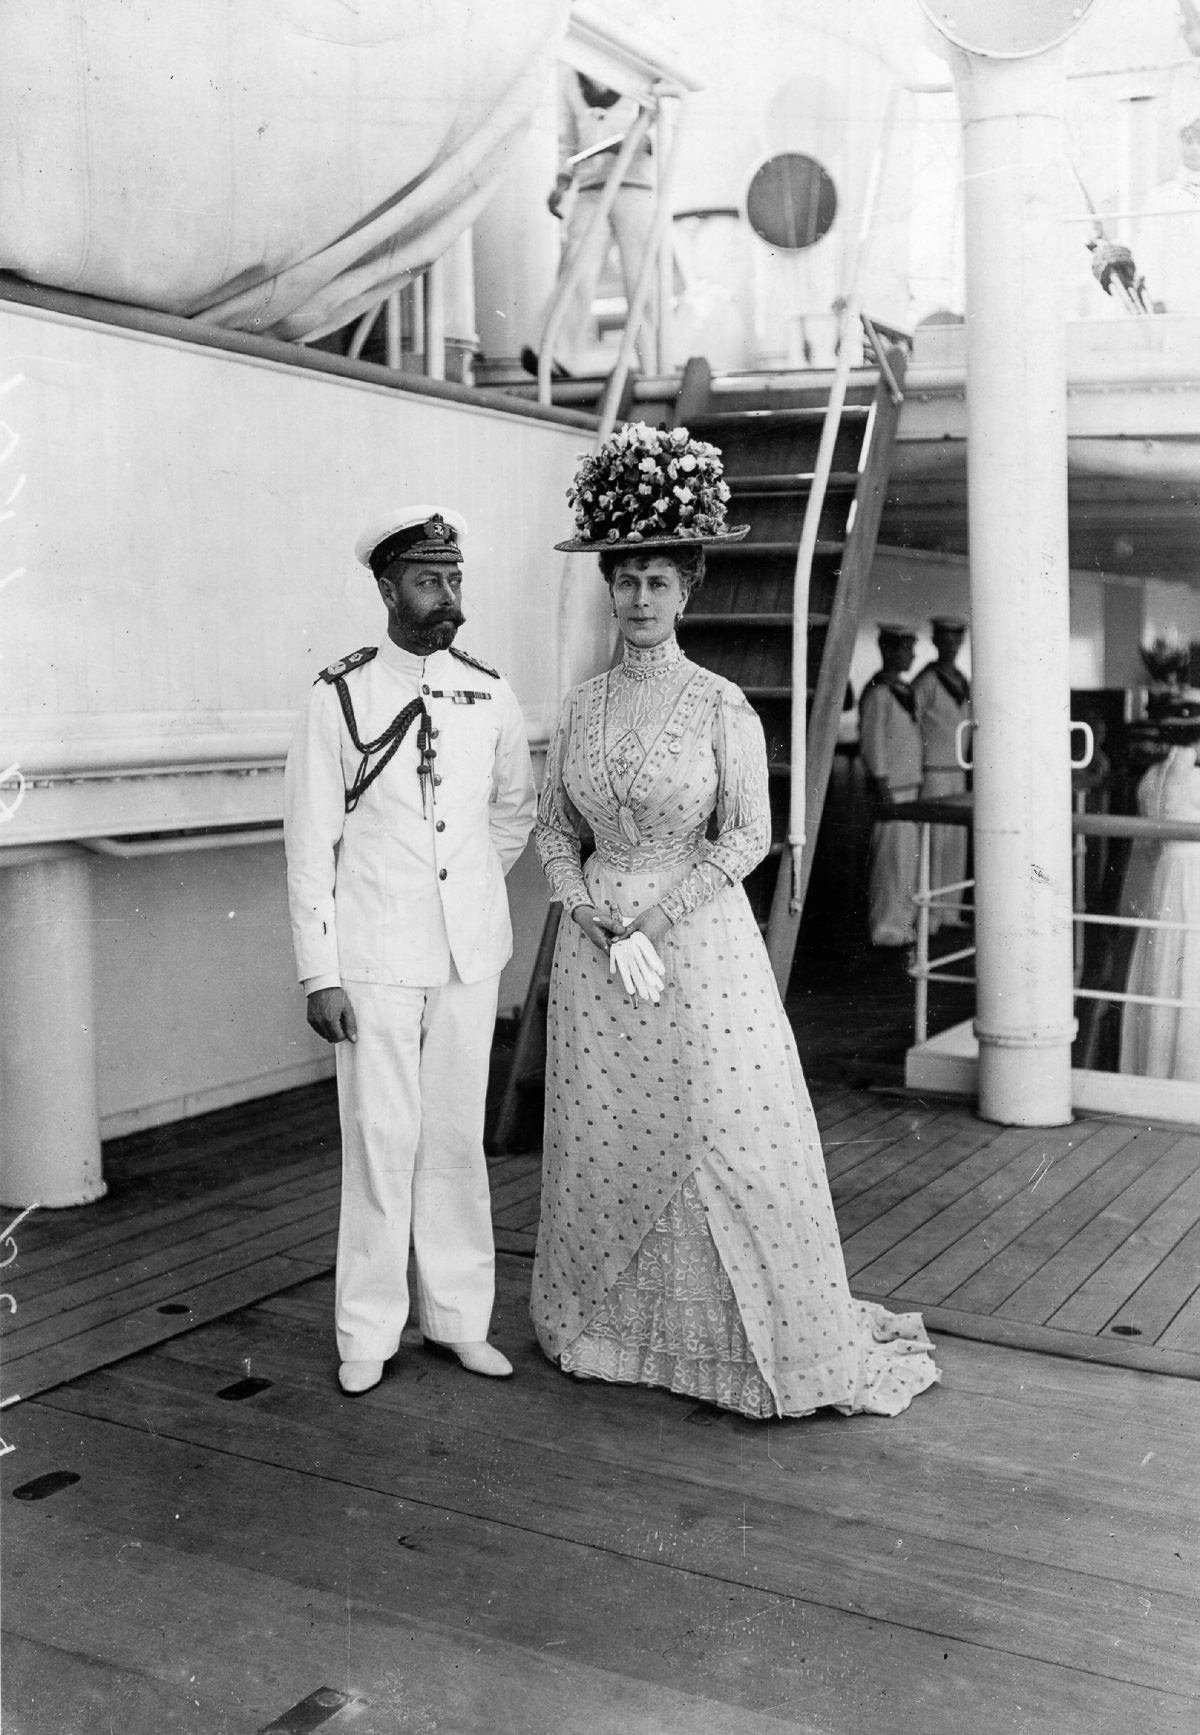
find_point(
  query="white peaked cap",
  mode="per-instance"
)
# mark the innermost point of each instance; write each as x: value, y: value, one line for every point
x: 404, y: 518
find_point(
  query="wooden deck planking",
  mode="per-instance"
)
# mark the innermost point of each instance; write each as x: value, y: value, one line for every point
x: 146, y: 1259
x: 1000, y: 1278
x: 855, y: 1139
x: 1077, y: 1256
x: 950, y: 1206
x: 1183, y: 1333
x: 250, y: 1645
x: 602, y: 1628
x: 206, y: 1256
x: 977, y: 1243
x: 137, y: 1329
x: 1157, y: 1303
x: 944, y: 1566
x: 898, y: 1170
x: 49, y: 1241
x: 807, y: 1459
x: 50, y: 1689
x: 1100, y: 1296
x: 974, y: 1587
x: 936, y: 1209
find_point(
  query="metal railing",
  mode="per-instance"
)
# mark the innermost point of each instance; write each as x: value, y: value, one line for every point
x: 949, y: 897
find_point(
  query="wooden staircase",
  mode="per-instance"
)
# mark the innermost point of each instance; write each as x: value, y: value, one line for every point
x: 740, y: 623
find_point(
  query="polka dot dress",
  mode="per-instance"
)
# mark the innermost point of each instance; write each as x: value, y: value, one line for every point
x: 687, y: 1236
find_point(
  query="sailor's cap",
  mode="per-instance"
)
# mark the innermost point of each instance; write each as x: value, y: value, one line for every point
x: 426, y: 533
x: 896, y: 632
x: 948, y: 623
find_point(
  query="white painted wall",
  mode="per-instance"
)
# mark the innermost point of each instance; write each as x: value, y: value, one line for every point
x: 186, y: 524
x: 179, y: 565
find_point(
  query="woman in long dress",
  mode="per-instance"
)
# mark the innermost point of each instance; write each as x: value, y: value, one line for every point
x: 1164, y: 1041
x: 687, y: 1236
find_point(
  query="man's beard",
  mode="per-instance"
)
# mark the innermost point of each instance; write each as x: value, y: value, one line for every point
x: 432, y: 635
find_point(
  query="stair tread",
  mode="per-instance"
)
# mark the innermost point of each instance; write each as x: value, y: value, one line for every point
x: 786, y: 482
x: 777, y: 416
x: 727, y: 550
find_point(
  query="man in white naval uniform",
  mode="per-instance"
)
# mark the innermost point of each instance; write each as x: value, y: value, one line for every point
x: 943, y: 699
x: 890, y: 744
x: 408, y: 796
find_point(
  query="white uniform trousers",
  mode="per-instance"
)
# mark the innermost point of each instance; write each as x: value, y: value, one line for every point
x: 411, y: 1096
x: 630, y: 222
x: 892, y: 884
x: 947, y: 851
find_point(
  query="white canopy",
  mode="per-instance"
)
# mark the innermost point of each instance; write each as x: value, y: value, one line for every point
x: 268, y: 165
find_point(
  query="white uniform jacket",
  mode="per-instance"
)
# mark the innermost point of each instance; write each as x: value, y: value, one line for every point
x: 889, y: 739
x: 392, y: 892
x: 939, y: 714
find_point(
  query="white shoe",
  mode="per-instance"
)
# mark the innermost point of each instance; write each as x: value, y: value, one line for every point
x: 477, y: 1358
x: 359, y: 1376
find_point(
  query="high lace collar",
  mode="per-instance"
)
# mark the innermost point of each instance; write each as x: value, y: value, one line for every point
x: 646, y: 664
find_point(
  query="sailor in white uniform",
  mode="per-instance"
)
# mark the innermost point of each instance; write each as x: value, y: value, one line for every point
x: 890, y: 744
x: 408, y: 796
x: 943, y: 699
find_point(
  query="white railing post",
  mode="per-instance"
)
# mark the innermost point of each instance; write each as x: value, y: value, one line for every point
x: 921, y: 1010
x: 435, y: 320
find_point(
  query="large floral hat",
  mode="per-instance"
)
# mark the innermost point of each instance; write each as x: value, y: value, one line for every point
x: 649, y: 488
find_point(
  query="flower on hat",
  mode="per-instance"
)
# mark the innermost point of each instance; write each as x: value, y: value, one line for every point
x: 649, y: 482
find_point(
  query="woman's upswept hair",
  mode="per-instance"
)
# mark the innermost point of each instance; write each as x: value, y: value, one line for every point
x: 688, y: 562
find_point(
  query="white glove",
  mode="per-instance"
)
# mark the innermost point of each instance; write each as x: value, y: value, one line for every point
x: 641, y: 969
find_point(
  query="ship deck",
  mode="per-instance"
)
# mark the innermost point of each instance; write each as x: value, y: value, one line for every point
x: 207, y: 1536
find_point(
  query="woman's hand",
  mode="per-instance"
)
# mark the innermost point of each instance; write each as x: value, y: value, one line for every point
x: 601, y: 930
x: 654, y: 923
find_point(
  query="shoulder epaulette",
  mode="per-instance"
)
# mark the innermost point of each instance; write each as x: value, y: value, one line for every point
x: 474, y: 663
x: 343, y: 666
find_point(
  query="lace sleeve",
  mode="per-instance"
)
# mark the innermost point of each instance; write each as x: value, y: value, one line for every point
x: 743, y: 810
x: 559, y: 824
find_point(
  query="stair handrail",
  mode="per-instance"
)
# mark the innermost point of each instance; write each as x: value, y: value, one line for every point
x: 849, y: 316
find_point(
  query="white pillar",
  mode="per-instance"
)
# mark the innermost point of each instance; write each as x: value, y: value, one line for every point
x: 1017, y: 484
x: 49, y: 1115
x: 462, y: 339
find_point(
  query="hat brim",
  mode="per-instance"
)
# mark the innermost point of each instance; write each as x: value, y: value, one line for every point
x: 578, y: 545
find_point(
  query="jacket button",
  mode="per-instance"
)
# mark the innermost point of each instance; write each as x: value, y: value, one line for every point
x: 441, y: 825
x: 425, y: 690
x: 442, y: 875
x: 434, y: 733
x: 437, y: 780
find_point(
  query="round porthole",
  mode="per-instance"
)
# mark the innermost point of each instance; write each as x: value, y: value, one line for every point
x: 791, y: 201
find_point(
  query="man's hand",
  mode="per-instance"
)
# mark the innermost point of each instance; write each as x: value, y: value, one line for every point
x: 332, y: 1016
x: 558, y: 194
x: 600, y: 930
